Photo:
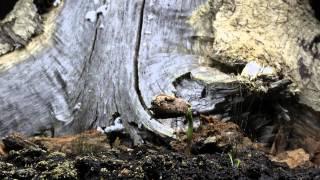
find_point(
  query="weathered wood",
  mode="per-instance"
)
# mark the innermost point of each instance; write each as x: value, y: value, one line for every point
x: 281, y: 34
x: 39, y: 81
x: 80, y: 75
x: 76, y: 74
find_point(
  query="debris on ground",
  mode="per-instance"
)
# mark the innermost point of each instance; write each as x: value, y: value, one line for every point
x: 117, y: 126
x: 213, y: 136
x: 293, y: 158
x: 219, y: 149
x: 89, y: 141
x: 143, y: 162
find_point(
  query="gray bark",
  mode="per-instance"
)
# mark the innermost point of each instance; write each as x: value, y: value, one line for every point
x: 79, y: 76
x: 75, y: 75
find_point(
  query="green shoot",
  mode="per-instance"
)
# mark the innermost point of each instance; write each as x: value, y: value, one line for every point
x: 231, y: 159
x: 238, y: 161
x: 189, y: 119
x: 190, y: 125
x: 234, y: 162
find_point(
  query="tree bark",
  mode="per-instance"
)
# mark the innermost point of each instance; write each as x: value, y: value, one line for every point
x: 75, y: 74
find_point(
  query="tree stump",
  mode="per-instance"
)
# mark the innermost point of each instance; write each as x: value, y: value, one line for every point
x: 61, y: 71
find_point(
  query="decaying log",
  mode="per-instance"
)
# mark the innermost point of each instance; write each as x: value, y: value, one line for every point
x: 70, y: 74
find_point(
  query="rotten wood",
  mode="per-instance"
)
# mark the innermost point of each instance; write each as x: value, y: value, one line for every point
x: 164, y: 106
x: 76, y: 74
x: 290, y: 40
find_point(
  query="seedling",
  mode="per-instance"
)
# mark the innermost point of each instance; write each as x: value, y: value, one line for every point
x: 189, y: 119
x: 235, y: 162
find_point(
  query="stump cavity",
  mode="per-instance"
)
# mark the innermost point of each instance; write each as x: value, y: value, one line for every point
x: 315, y: 4
x: 6, y: 6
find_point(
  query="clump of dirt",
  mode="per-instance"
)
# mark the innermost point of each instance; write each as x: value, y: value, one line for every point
x: 165, y: 106
x: 216, y: 136
x: 58, y: 158
x: 213, y: 136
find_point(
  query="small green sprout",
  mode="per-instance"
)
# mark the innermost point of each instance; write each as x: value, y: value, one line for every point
x: 189, y: 119
x: 235, y: 162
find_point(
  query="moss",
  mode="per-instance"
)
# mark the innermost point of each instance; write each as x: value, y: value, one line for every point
x: 104, y: 172
x: 5, y: 166
x: 64, y: 170
x: 88, y: 166
x: 57, y: 156
x: 13, y: 153
x: 42, y: 165
x: 27, y: 173
x: 139, y: 173
x: 6, y: 170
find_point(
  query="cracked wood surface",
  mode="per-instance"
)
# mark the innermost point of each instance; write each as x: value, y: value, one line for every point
x: 39, y: 91
x: 166, y: 46
x: 84, y: 74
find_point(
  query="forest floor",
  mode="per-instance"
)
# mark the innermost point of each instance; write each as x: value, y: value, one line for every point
x: 212, y: 155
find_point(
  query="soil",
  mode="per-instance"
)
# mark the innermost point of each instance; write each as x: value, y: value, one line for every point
x: 90, y: 156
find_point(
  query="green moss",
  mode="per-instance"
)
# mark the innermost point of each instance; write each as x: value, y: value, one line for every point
x: 6, y: 170
x: 5, y: 166
x: 13, y: 153
x: 57, y: 155
x: 27, y: 173
x: 63, y: 170
x: 42, y: 165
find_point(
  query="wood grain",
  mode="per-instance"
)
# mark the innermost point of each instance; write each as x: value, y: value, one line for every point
x: 87, y: 73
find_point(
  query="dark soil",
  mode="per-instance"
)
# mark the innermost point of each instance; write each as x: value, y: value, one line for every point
x: 145, y: 162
